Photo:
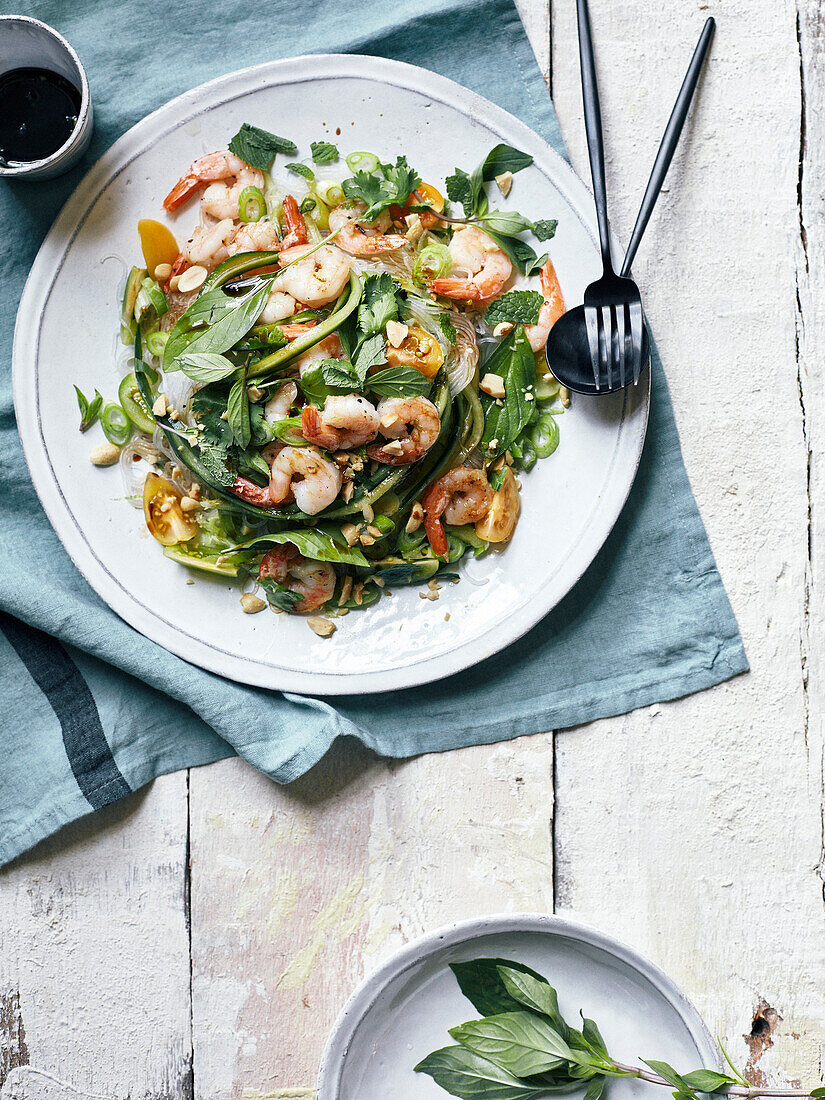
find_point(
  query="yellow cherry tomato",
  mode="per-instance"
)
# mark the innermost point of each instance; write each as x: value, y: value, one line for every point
x: 163, y: 514
x: 419, y: 350
x: 158, y: 244
x: 499, y: 523
x: 430, y: 196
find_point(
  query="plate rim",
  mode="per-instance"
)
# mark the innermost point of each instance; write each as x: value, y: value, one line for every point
x: 242, y: 668
x: 366, y: 993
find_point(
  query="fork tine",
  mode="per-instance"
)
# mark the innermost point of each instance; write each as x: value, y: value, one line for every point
x: 621, y: 342
x: 607, y: 324
x: 591, y: 319
x: 637, y: 336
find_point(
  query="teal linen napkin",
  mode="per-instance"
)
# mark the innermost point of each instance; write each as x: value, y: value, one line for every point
x: 92, y: 710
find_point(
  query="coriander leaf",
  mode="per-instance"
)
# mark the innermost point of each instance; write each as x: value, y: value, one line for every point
x: 302, y: 170
x: 398, y: 382
x: 507, y: 222
x: 323, y: 152
x: 237, y: 413
x: 285, y: 599
x: 392, y: 183
x: 370, y: 353
x: 534, y: 993
x: 460, y: 189
x: 206, y: 366
x: 517, y: 307
x: 504, y: 158
x: 595, y: 1088
x: 258, y: 147
x: 215, y: 321
x: 89, y: 410
x: 708, y: 1080
x: 481, y: 983
x: 368, y: 188
x: 401, y: 179
x: 513, y: 360
x: 324, y: 542
x: 448, y: 328
x: 545, y: 230
x: 379, y: 303
x: 471, y: 1077
x: 520, y: 1042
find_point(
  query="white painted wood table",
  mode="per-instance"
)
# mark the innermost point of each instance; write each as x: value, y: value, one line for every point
x: 197, y: 941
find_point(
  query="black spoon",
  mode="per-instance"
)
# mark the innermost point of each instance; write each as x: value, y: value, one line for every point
x: 568, y: 350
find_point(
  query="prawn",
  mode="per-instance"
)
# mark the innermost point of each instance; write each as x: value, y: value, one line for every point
x: 278, y: 406
x: 220, y: 199
x: 551, y: 309
x: 208, y: 246
x: 462, y: 495
x: 485, y: 267
x: 279, y: 305
x: 360, y: 239
x: 328, y: 348
x: 314, y: 581
x: 317, y: 279
x: 303, y: 474
x: 411, y: 424
x: 346, y: 422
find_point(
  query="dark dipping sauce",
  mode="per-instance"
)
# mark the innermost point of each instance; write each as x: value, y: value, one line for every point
x: 38, y: 111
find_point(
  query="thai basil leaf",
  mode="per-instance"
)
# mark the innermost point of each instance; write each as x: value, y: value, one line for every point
x: 89, y: 410
x: 593, y: 1036
x: 398, y: 382
x: 513, y: 361
x: 379, y: 303
x: 321, y: 543
x: 258, y: 147
x: 520, y: 253
x: 278, y: 596
x: 504, y: 158
x: 462, y: 1073
x: 670, y: 1075
x: 517, y: 307
x: 532, y: 993
x: 708, y: 1080
x: 316, y: 389
x: 507, y: 222
x: 595, y: 1088
x: 482, y: 985
x: 215, y: 322
x: 324, y: 152
x: 520, y: 1042
x: 237, y: 413
x: 206, y: 366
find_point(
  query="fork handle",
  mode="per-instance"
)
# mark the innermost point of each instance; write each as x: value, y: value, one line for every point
x: 670, y: 139
x: 593, y: 129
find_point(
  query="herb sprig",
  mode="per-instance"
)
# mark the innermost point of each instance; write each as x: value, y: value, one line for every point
x: 524, y: 1048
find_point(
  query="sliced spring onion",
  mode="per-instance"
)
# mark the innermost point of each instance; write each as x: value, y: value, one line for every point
x: 433, y: 262
x: 545, y: 435
x: 149, y: 296
x: 288, y: 431
x: 116, y: 425
x: 362, y: 162
x: 547, y: 388
x: 329, y: 192
x: 251, y: 204
x: 156, y: 342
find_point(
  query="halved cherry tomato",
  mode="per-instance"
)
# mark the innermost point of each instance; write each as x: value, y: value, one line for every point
x: 424, y: 194
x: 171, y: 525
x: 419, y: 350
x: 157, y: 243
x: 499, y: 523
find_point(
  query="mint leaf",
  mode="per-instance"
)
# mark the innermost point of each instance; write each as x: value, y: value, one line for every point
x: 370, y: 353
x: 545, y: 230
x: 448, y: 328
x: 460, y: 189
x: 323, y: 152
x: 504, y: 158
x: 258, y: 147
x: 339, y: 374
x: 214, y: 461
x: 302, y: 170
x: 379, y: 303
x: 278, y: 596
x: 517, y: 307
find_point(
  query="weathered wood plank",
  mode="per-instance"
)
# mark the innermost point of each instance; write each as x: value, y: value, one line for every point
x: 94, y: 957
x: 693, y: 830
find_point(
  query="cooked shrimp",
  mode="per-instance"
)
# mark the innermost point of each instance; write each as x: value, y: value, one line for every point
x: 318, y: 279
x: 279, y: 404
x: 251, y: 493
x: 303, y: 474
x: 462, y: 495
x: 313, y: 580
x: 208, y: 246
x: 328, y: 348
x: 220, y: 200
x: 363, y: 238
x: 279, y: 305
x: 346, y: 422
x: 254, y: 237
x: 552, y: 308
x: 411, y: 424
x: 484, y: 266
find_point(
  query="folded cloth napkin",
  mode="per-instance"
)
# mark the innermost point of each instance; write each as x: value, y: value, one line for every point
x: 92, y: 709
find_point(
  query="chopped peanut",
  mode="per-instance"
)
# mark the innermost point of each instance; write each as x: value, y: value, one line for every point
x: 397, y: 333
x: 252, y: 604
x: 106, y: 454
x: 416, y: 518
x: 503, y: 328
x: 192, y: 278
x: 492, y: 385
x: 504, y: 182
x: 350, y: 533
x: 189, y: 505
x: 324, y: 628
x: 160, y: 406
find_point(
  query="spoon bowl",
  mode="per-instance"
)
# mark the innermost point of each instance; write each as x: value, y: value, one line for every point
x: 567, y: 352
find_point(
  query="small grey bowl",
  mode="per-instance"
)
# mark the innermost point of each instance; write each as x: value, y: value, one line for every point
x: 28, y: 43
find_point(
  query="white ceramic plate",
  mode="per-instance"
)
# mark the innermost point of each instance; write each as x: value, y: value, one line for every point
x: 67, y: 333
x: 402, y: 1012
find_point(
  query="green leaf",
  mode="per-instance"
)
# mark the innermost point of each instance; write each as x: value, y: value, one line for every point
x: 519, y: 1041
x: 460, y: 189
x: 513, y: 361
x: 324, y: 152
x: 258, y: 147
x: 89, y: 410
x: 379, y: 303
x: 517, y: 307
x: 670, y: 1075
x: 708, y: 1080
x: 237, y: 413
x: 392, y: 183
x: 462, y: 1073
x: 545, y: 230
x: 504, y: 158
x: 818, y: 1093
x: 339, y: 375
x: 401, y: 179
x: 370, y: 353
x: 302, y: 170
x: 481, y: 983
x: 448, y: 328
x: 324, y: 542
x: 215, y: 322
x: 214, y: 461
x: 278, y: 596
x: 507, y: 222
x: 398, y: 382
x: 593, y: 1036
x: 315, y: 388
x: 534, y: 993
x: 521, y: 254
x: 595, y: 1088
x: 206, y: 366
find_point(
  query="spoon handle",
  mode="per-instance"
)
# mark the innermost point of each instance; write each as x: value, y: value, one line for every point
x: 670, y: 139
x: 593, y: 129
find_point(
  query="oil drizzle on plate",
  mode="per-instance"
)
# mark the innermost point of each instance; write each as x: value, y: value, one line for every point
x: 38, y: 112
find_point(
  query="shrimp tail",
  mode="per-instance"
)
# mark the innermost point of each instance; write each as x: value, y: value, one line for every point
x: 551, y: 289
x: 314, y: 431
x: 295, y: 224
x: 433, y: 505
x: 183, y: 190
x: 251, y: 493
